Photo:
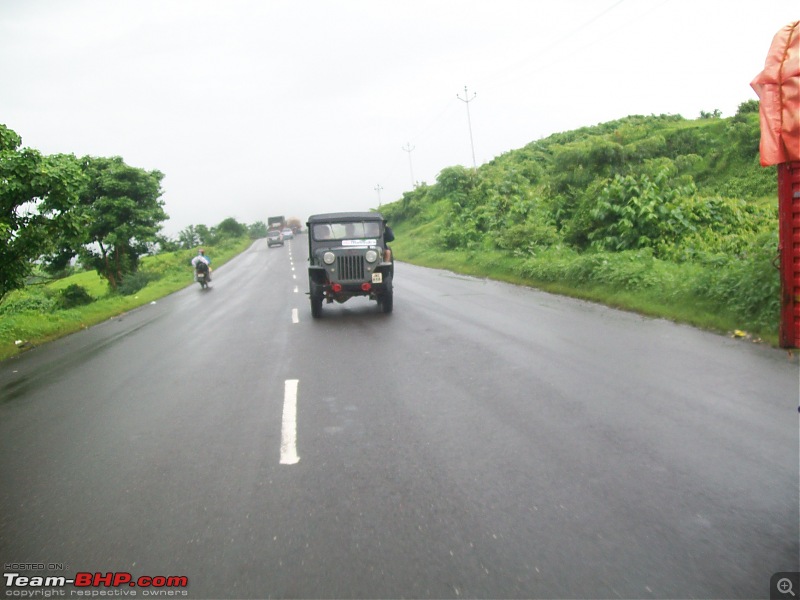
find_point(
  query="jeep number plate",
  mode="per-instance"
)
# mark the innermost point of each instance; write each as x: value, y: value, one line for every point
x: 377, y: 278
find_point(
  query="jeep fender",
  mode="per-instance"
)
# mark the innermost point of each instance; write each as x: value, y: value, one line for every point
x: 318, y: 275
x: 386, y: 268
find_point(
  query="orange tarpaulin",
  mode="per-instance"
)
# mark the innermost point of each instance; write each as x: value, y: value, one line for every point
x: 778, y: 88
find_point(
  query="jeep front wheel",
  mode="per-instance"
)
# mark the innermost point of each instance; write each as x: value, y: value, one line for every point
x: 387, y: 298
x: 316, y: 295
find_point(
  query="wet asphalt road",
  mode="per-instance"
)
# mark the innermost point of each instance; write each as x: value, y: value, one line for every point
x: 483, y: 441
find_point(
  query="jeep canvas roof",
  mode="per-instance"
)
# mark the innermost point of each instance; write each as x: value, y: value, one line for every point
x: 347, y: 216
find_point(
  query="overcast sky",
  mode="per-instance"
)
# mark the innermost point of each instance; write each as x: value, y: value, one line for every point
x: 256, y: 108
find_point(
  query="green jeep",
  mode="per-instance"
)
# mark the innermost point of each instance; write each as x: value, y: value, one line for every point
x: 348, y: 256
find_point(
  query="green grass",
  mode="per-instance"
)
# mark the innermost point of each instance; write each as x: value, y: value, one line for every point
x: 37, y: 321
x: 658, y: 289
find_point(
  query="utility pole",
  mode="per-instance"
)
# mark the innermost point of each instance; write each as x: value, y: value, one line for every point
x: 409, y: 148
x: 466, y: 99
x: 378, y: 189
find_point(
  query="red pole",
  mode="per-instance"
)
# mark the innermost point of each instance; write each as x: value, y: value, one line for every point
x: 789, y: 247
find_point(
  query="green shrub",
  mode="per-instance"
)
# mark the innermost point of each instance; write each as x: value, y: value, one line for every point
x: 624, y: 270
x: 28, y: 301
x: 524, y: 237
x: 134, y: 282
x: 748, y: 284
x: 630, y: 270
x: 73, y: 295
x: 638, y: 212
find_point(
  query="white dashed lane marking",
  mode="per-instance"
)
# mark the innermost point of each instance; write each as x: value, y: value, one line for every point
x: 289, y: 424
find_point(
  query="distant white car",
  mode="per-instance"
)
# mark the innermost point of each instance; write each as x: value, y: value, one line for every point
x: 288, y: 234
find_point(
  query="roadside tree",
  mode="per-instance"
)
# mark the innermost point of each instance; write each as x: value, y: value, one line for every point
x: 37, y: 197
x: 230, y: 228
x: 257, y: 230
x: 189, y: 237
x: 123, y: 207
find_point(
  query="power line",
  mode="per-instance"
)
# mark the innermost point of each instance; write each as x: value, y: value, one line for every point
x: 513, y: 71
x: 450, y: 104
x: 608, y: 32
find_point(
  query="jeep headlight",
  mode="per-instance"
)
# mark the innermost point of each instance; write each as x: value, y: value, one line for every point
x: 329, y: 258
x: 371, y: 256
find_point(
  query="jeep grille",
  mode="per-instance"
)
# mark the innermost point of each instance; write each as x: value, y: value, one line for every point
x: 350, y: 267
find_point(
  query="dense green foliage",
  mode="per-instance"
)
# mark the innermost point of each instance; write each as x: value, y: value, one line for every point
x: 37, y: 197
x: 121, y: 208
x: 658, y: 205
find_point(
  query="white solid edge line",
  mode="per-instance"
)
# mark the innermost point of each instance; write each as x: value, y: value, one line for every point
x: 289, y: 424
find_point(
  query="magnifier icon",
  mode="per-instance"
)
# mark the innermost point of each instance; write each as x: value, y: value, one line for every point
x: 785, y: 586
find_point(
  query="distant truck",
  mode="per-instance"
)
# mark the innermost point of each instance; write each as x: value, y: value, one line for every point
x: 294, y: 224
x: 276, y: 222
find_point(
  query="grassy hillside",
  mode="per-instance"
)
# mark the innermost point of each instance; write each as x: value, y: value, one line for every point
x: 659, y: 214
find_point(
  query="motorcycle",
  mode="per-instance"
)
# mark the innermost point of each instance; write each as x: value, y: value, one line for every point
x: 201, y: 274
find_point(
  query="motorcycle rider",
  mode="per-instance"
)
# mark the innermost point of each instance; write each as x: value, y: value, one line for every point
x: 201, y: 258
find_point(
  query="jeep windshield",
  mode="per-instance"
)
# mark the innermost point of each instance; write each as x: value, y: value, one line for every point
x: 369, y: 231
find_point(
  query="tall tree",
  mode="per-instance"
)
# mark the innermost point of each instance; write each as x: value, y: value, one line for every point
x: 257, y: 230
x: 189, y: 237
x: 37, y: 197
x: 204, y: 233
x: 230, y: 228
x: 125, y: 211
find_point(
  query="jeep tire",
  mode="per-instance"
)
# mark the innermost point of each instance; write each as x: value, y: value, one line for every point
x: 387, y: 298
x: 316, y: 295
